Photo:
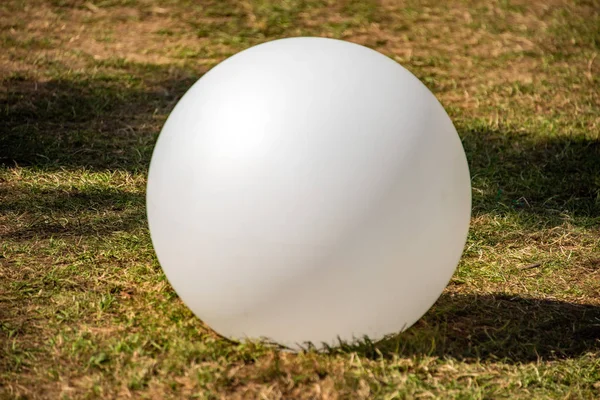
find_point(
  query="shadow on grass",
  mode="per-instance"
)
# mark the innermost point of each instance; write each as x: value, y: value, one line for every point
x: 109, y: 123
x: 103, y: 123
x: 63, y: 212
x: 509, y: 328
x: 534, y: 173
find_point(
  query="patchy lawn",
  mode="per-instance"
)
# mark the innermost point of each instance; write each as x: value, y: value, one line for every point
x: 85, y: 311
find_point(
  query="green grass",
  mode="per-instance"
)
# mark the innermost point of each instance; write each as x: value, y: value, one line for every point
x: 85, y: 311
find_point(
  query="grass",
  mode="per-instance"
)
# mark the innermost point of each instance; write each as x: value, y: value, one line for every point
x: 85, y: 311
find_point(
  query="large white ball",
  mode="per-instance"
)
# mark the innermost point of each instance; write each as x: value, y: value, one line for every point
x: 306, y: 190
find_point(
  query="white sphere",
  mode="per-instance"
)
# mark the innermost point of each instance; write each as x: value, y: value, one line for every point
x: 308, y: 190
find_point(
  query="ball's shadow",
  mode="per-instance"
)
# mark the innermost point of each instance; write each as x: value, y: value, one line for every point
x: 509, y: 328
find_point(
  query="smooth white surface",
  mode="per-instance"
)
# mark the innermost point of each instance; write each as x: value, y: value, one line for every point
x: 306, y: 189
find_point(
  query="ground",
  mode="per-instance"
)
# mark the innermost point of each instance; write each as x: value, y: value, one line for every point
x: 85, y: 311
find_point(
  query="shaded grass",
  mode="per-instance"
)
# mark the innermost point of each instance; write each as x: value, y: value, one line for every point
x: 494, y: 328
x: 104, y: 122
